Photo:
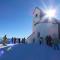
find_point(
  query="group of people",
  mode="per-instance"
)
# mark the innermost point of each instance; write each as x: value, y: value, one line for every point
x: 14, y: 40
x: 49, y: 41
x: 18, y: 40
x: 52, y: 42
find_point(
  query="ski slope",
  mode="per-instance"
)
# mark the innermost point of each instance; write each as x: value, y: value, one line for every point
x: 30, y: 52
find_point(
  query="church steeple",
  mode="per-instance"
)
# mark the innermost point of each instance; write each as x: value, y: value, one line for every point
x: 37, y: 16
x: 38, y: 12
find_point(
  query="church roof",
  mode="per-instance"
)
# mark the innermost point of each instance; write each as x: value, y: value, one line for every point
x: 42, y: 14
x: 53, y: 20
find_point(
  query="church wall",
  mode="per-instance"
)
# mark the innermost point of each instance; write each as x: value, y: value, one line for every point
x: 59, y: 29
x: 47, y: 29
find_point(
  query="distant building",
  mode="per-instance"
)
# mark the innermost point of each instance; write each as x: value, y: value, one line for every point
x: 43, y: 26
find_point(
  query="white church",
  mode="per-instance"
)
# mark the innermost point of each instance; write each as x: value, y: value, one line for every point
x: 43, y: 26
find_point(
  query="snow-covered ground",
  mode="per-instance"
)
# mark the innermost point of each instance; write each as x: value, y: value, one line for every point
x: 7, y: 45
x: 29, y: 52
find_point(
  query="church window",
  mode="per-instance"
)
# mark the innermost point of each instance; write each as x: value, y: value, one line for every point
x: 36, y: 15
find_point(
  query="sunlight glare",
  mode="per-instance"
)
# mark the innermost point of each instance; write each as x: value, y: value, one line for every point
x: 50, y: 13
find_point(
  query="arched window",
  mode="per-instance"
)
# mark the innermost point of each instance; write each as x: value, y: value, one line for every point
x: 36, y: 15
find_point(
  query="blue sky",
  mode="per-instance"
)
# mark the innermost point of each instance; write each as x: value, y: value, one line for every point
x: 16, y: 16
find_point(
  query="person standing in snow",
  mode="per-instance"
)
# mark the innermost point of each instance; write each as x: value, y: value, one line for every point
x: 23, y: 40
x: 39, y: 38
x: 14, y: 40
x: 18, y: 40
x: 4, y: 40
x: 48, y: 40
x: 56, y: 44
